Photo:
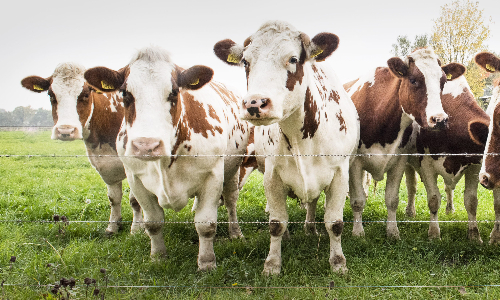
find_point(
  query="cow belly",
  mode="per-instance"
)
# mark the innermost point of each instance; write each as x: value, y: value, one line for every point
x: 438, y: 167
x: 106, y: 162
x: 375, y: 162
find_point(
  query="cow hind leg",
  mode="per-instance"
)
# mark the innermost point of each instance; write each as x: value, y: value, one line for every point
x: 230, y: 193
x: 357, y: 198
x: 115, y: 200
x: 310, y: 225
x: 470, y: 201
x: 449, y: 200
x: 137, y: 221
x: 411, y: 187
x: 495, y: 232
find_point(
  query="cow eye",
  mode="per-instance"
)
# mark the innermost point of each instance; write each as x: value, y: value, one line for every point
x: 413, y: 81
x: 293, y: 60
x: 124, y: 93
x: 244, y: 62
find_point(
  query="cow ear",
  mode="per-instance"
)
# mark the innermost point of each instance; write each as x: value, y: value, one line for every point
x: 478, y: 131
x: 104, y: 79
x: 488, y: 61
x: 398, y: 67
x: 323, y: 45
x: 195, y: 77
x: 453, y: 71
x: 229, y: 52
x: 36, y: 83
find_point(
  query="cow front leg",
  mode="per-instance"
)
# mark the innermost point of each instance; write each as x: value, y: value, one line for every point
x: 394, y: 177
x: 449, y: 200
x: 278, y: 220
x: 310, y: 225
x: 137, y: 219
x: 230, y: 194
x: 495, y: 233
x: 206, y: 220
x: 429, y: 178
x: 470, y: 201
x: 115, y: 202
x: 334, y: 222
x: 411, y: 187
x: 357, y: 197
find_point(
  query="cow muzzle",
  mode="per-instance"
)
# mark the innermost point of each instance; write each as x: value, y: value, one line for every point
x: 438, y: 121
x: 148, y: 148
x: 67, y: 133
x: 258, y: 110
x: 486, y: 181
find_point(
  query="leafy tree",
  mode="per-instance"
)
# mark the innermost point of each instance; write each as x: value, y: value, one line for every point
x: 404, y: 46
x: 26, y: 116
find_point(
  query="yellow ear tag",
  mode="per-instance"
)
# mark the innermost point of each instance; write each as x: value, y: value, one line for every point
x: 448, y: 76
x: 490, y: 68
x: 316, y: 53
x: 233, y: 58
x: 106, y: 86
x: 98, y: 91
x: 37, y: 87
x: 195, y: 83
x: 401, y: 73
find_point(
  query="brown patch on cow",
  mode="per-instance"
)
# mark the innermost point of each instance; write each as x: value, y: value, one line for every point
x: 348, y: 86
x: 125, y: 140
x: 289, y: 147
x: 406, y: 136
x: 337, y: 227
x: 53, y: 103
x: 338, y: 259
x: 293, y: 78
x: 343, y: 125
x: 84, y: 104
x: 226, y: 95
x: 134, y: 204
x: 310, y: 123
x: 433, y: 204
x: 492, y: 162
x: 334, y: 96
x: 275, y: 227
x: 413, y: 97
x: 212, y: 113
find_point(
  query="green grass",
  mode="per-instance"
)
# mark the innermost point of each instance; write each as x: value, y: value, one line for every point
x: 36, y: 188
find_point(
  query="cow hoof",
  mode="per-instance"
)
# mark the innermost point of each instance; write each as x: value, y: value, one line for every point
x: 410, y: 212
x: 340, y: 269
x: 495, y: 237
x: 358, y: 231
x: 158, y: 257
x: 393, y: 233
x: 271, y: 270
x: 338, y: 264
x: 136, y: 228
x: 434, y: 234
x: 474, y: 236
x: 236, y: 235
x: 206, y: 266
x: 310, y: 229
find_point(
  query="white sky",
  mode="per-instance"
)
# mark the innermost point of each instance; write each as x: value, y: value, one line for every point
x: 38, y: 35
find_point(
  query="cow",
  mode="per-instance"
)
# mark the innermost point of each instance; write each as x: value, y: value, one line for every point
x: 388, y: 100
x: 489, y: 175
x: 180, y: 138
x: 465, y: 117
x: 314, y: 123
x: 79, y: 112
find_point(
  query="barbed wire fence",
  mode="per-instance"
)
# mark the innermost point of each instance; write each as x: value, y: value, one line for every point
x: 331, y: 285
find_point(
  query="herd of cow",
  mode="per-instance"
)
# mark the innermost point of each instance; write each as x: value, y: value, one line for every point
x: 175, y: 134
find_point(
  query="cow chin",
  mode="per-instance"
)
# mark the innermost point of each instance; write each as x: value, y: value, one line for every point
x: 262, y: 121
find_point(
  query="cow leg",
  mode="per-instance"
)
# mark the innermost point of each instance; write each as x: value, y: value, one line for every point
x: 495, y: 233
x: 394, y: 177
x: 137, y: 219
x: 206, y: 220
x: 411, y: 187
x: 115, y: 201
x: 357, y: 197
x: 310, y: 225
x: 449, y: 200
x: 230, y: 193
x: 470, y: 201
x: 429, y: 178
x: 278, y: 220
x: 334, y: 223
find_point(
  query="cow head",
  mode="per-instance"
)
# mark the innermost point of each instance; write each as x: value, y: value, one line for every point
x: 152, y: 87
x: 69, y: 96
x: 422, y: 81
x: 489, y: 176
x: 274, y: 59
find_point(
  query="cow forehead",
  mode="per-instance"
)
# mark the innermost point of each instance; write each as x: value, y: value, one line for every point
x: 427, y: 62
x: 68, y: 81
x: 150, y: 77
x: 274, y: 37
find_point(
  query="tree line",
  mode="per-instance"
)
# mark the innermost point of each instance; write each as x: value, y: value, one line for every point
x: 26, y: 116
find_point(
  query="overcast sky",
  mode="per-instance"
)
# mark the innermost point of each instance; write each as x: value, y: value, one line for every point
x: 38, y: 35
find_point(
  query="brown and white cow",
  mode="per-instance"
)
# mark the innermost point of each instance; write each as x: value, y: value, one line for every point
x: 79, y: 112
x: 466, y: 132
x: 314, y: 123
x: 489, y: 175
x: 180, y: 138
x: 388, y: 100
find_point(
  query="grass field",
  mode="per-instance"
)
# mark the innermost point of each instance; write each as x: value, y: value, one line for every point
x: 36, y: 188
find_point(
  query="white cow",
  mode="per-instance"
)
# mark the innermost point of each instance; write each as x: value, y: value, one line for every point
x: 318, y: 124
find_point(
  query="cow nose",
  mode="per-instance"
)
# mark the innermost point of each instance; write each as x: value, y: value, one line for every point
x: 147, y: 148
x: 439, y: 121
x: 66, y: 132
x: 257, y: 106
x: 484, y: 179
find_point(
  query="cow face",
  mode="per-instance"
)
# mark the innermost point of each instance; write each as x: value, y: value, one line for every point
x: 152, y: 88
x: 69, y: 96
x: 275, y: 58
x: 489, y: 176
x: 422, y: 82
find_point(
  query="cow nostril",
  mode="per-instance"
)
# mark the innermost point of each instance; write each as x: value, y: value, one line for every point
x: 264, y: 103
x: 253, y: 102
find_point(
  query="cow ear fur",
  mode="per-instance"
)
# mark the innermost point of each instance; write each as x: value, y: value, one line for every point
x: 104, y: 79
x: 478, y: 131
x: 195, y: 77
x: 323, y: 45
x: 453, y: 71
x: 229, y: 52
x: 488, y: 61
x: 398, y: 67
x: 36, y: 83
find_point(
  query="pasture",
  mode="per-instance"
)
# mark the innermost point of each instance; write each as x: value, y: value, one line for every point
x: 39, y: 187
